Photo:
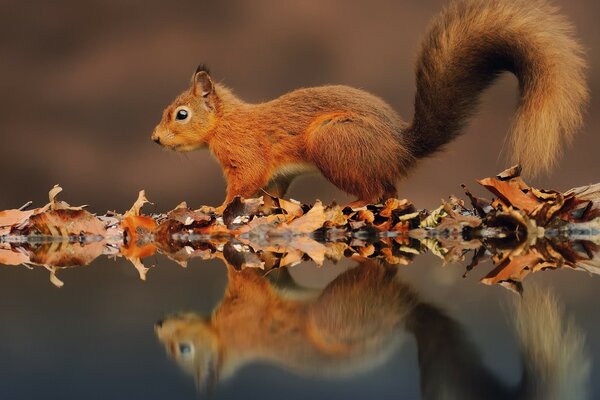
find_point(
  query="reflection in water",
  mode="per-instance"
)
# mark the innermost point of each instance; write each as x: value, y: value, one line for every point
x: 514, y: 255
x: 356, y: 323
x: 360, y: 319
x: 523, y: 230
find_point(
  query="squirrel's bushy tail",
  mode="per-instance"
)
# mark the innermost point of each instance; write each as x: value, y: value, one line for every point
x: 465, y: 49
x: 555, y: 363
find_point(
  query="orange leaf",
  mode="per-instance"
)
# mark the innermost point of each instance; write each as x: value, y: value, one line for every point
x: 512, y: 193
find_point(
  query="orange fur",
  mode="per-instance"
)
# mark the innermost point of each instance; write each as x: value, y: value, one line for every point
x: 357, y: 322
x: 470, y: 43
x: 359, y: 143
x: 327, y: 333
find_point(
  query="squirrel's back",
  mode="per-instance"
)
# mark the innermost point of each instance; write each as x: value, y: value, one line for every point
x: 359, y: 143
x: 465, y: 49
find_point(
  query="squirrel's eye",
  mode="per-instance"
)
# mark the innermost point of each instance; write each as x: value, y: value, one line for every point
x: 181, y: 115
x: 185, y: 348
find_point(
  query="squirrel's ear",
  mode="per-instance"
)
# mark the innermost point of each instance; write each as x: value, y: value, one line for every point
x: 202, y: 85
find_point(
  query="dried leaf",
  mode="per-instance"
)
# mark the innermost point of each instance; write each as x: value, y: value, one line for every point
x: 515, y: 269
x: 239, y: 208
x: 335, y: 217
x: 139, y: 266
x: 54, y: 279
x: 524, y: 230
x: 137, y: 206
x: 65, y: 254
x: 511, y: 192
x: 291, y: 207
x: 392, y: 205
x: 365, y: 215
x: 12, y: 257
x: 189, y: 217
x: 510, y: 173
x: 311, y: 221
x: 52, y: 196
x: 10, y: 218
x: 65, y: 223
x: 315, y: 250
x: 291, y: 258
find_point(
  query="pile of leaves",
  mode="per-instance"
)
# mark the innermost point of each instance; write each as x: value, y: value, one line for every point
x: 523, y: 229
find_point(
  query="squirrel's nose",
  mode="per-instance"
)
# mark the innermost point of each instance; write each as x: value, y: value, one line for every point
x: 161, y: 321
x: 156, y: 139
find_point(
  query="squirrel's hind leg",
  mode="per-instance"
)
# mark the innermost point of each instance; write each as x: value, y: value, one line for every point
x: 278, y: 186
x: 389, y: 193
x: 359, y: 155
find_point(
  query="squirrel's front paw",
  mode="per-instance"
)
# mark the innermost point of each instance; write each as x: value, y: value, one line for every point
x: 219, y: 210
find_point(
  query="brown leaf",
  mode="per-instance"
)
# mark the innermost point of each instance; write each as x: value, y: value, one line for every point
x: 66, y: 254
x: 54, y: 279
x: 12, y: 257
x: 56, y: 204
x: 137, y: 205
x: 392, y: 205
x: 10, y: 218
x: 266, y: 223
x: 139, y: 266
x: 357, y: 224
x: 511, y: 192
x: 309, y: 222
x: 240, y: 256
x: 514, y: 269
x: 336, y: 250
x: 510, y: 173
x: 366, y: 251
x: 138, y: 230
x: 589, y: 192
x: 365, y: 215
x: 335, y: 217
x: 395, y: 259
x: 291, y: 258
x: 65, y: 223
x: 189, y: 217
x: 315, y: 250
x: 239, y: 211
x: 384, y: 226
x: 291, y: 207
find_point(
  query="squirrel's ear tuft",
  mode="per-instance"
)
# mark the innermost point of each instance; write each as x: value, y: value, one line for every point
x: 202, y: 67
x: 202, y: 85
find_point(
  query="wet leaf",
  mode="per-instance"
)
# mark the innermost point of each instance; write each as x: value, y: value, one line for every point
x: 291, y: 207
x: 10, y: 218
x: 512, y: 192
x: 523, y: 230
x: 240, y: 211
x: 137, y: 205
x: 65, y: 222
x: 12, y: 257
x: 311, y: 221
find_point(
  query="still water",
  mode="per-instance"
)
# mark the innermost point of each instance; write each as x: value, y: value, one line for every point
x: 348, y: 330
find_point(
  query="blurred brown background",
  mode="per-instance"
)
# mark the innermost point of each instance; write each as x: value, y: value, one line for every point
x: 82, y: 85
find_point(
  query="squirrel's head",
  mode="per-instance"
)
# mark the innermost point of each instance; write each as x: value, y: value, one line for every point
x: 191, y: 341
x: 188, y: 120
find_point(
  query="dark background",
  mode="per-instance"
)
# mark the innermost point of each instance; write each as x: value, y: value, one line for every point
x: 82, y: 85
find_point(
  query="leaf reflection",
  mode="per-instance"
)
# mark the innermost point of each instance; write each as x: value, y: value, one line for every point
x: 357, y: 322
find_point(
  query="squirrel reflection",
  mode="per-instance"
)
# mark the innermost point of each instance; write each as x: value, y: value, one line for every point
x: 357, y: 322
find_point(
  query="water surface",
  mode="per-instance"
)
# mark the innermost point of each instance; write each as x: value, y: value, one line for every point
x: 96, y: 337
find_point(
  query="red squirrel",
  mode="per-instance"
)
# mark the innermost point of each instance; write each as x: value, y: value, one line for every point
x: 359, y: 143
